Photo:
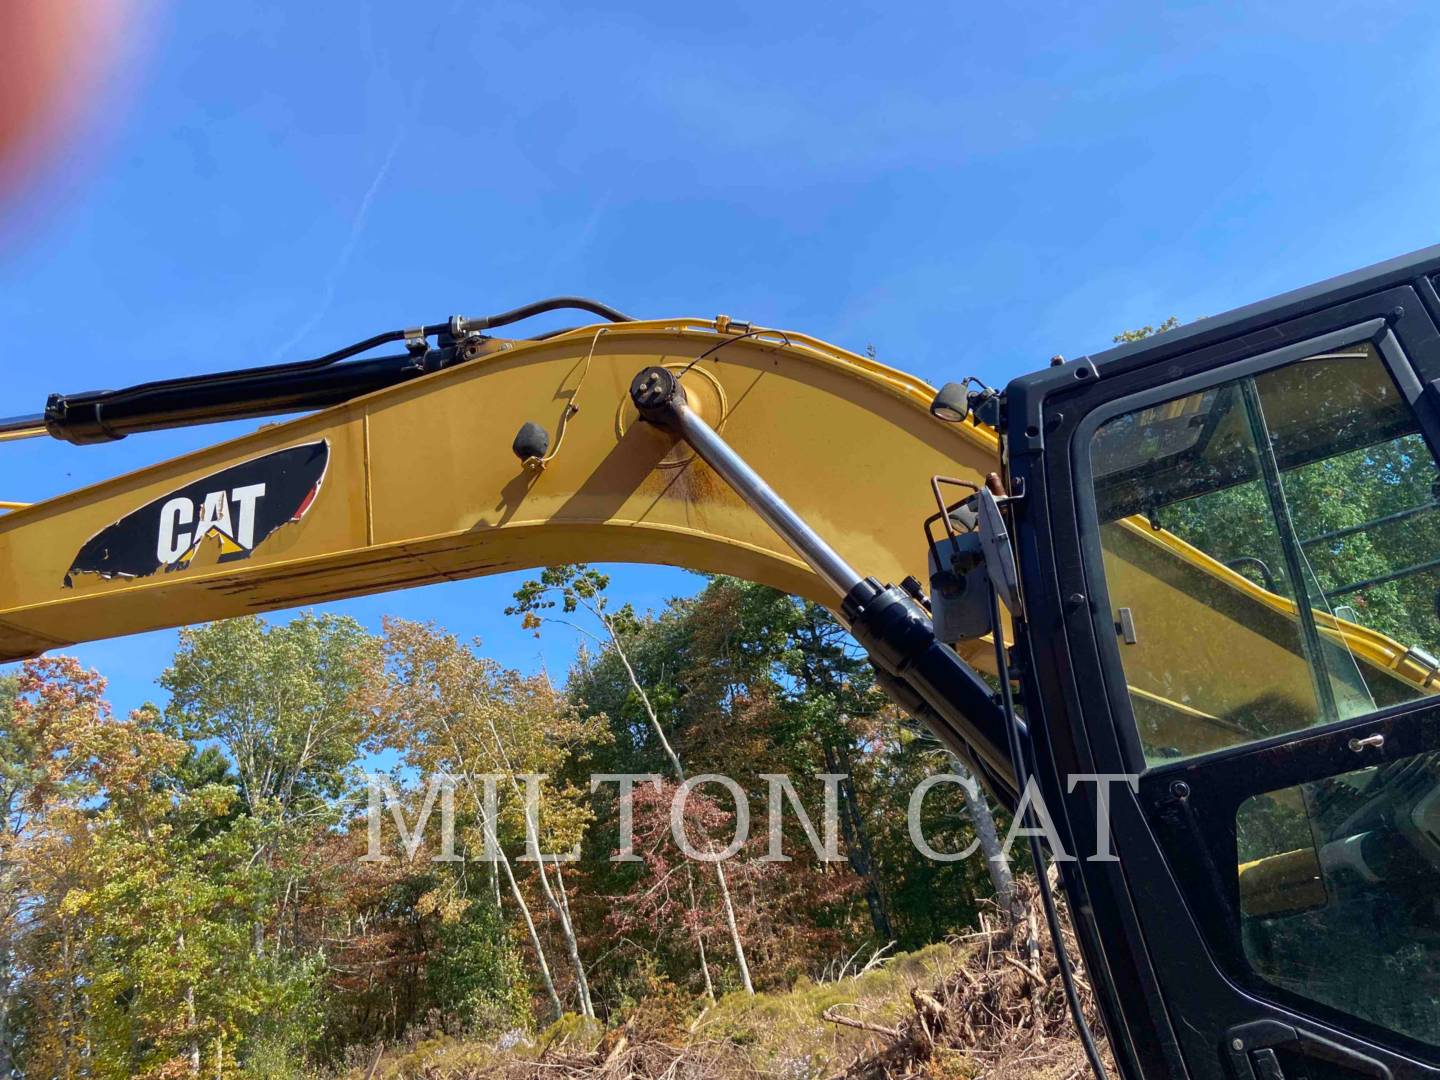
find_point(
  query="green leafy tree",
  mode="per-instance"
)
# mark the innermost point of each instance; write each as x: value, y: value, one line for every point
x: 164, y: 929
x: 289, y: 705
x: 474, y: 972
x: 285, y: 701
x: 1143, y: 332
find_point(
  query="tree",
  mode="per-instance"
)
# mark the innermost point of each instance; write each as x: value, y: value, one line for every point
x: 574, y: 588
x: 163, y: 926
x: 61, y: 754
x: 982, y: 819
x: 474, y: 974
x: 450, y: 711
x: 827, y: 689
x: 285, y: 701
x: 749, y: 635
x: 1127, y: 336
x: 664, y: 895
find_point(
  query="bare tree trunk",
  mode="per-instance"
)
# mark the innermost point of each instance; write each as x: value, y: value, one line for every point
x: 562, y: 911
x: 524, y: 907
x: 520, y: 903
x: 572, y: 943
x: 192, y: 1049
x: 983, y: 821
x: 725, y: 902
x: 699, y: 934
x: 567, y: 933
x: 734, y: 928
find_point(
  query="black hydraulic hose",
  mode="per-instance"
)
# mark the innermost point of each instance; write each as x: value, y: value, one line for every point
x: 540, y: 307
x: 1047, y: 900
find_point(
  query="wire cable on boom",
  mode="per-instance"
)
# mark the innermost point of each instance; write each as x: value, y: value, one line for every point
x: 730, y: 341
x: 572, y: 407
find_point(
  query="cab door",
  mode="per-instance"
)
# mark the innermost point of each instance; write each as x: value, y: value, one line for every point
x: 1230, y: 546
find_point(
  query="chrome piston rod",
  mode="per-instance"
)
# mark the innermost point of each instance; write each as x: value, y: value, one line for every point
x: 22, y: 427
x: 658, y: 388
x: 920, y: 673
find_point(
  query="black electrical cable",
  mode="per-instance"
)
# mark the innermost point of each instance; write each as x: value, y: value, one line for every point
x: 1047, y: 900
x: 730, y: 341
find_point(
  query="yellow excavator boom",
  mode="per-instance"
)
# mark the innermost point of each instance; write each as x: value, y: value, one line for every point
x: 447, y: 476
x: 417, y: 483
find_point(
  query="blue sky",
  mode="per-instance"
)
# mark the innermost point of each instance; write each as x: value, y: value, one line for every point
x: 969, y: 187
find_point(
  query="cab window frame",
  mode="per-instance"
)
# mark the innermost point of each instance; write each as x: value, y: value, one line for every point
x: 1376, y: 332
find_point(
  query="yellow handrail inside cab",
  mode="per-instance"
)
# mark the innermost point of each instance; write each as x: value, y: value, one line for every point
x: 4, y: 505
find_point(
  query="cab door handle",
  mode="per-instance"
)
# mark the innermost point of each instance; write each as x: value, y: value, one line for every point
x: 1369, y: 742
x: 1252, y: 1052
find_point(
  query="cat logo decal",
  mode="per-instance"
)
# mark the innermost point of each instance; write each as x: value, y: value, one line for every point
x: 239, y: 507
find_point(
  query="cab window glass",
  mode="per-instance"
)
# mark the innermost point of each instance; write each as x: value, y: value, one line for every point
x: 1272, y: 550
x: 1341, y: 876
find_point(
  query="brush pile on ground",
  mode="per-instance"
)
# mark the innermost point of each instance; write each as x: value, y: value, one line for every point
x: 1000, y: 1015
x: 993, y: 1009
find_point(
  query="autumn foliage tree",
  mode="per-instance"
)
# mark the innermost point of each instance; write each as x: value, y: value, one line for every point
x: 451, y: 712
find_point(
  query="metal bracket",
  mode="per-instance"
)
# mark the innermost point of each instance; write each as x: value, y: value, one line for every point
x: 999, y: 554
x: 976, y: 546
x: 1125, y: 625
x: 958, y: 601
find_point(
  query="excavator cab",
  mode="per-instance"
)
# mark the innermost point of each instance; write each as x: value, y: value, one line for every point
x: 1230, y: 549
